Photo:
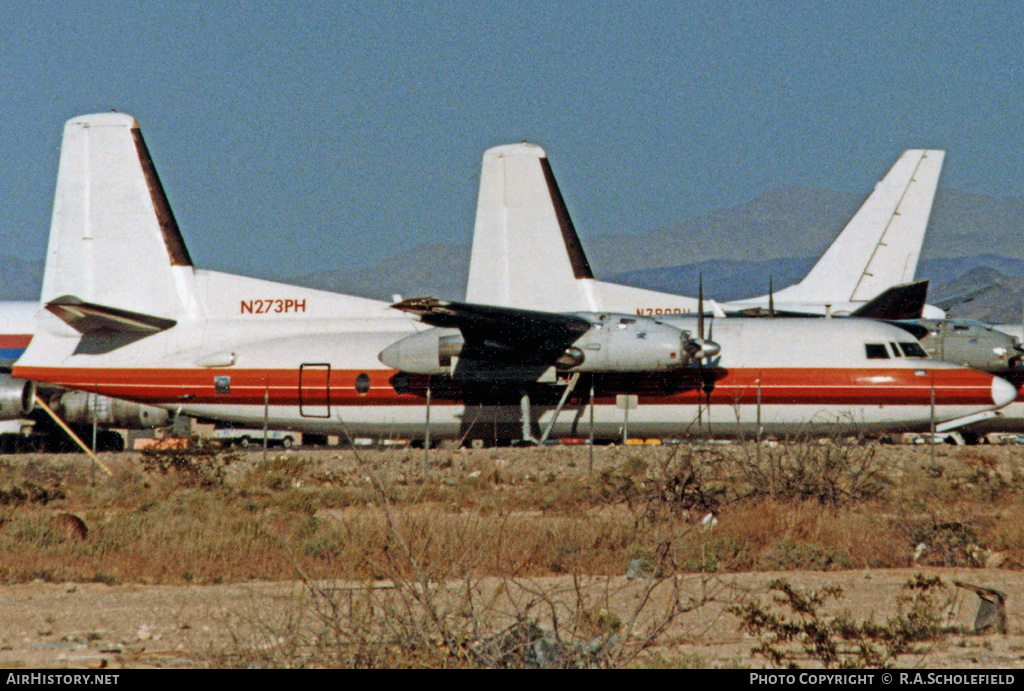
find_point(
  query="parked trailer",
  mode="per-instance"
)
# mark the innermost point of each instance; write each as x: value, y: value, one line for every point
x: 253, y: 438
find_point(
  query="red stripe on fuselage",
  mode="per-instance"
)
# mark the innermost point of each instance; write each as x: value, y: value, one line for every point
x: 15, y: 340
x: 854, y: 386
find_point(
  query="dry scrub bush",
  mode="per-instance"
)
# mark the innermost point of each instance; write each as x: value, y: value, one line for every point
x: 675, y: 485
x: 808, y: 634
x: 204, y: 467
x: 451, y: 591
x: 207, y: 518
x: 832, y: 471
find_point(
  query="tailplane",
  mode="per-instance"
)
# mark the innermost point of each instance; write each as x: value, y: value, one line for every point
x: 897, y: 303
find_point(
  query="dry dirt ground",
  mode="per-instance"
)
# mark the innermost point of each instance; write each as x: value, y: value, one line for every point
x: 48, y: 625
x: 94, y: 625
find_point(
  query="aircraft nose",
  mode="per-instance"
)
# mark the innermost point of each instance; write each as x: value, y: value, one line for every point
x: 1003, y: 392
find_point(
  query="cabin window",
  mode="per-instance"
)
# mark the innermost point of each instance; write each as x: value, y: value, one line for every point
x: 876, y: 351
x: 222, y: 384
x: 362, y: 384
x: 961, y: 327
x: 913, y: 349
x: 401, y: 383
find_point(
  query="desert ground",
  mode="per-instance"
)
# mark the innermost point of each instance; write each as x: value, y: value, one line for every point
x: 653, y: 557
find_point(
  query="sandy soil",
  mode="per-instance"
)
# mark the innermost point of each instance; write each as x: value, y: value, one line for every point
x: 78, y: 625
x: 99, y: 626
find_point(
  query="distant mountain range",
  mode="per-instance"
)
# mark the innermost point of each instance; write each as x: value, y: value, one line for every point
x: 780, y: 234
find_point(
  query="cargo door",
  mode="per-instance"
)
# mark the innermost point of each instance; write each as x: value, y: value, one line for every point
x: 315, y: 390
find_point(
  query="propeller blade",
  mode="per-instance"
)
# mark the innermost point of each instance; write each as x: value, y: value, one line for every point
x: 701, y: 348
x: 700, y: 306
x: 771, y: 297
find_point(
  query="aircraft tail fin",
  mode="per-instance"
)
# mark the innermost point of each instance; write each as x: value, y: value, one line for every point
x: 881, y: 244
x: 522, y: 225
x: 113, y: 238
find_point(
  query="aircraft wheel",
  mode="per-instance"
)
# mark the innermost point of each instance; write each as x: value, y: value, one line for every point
x: 286, y: 442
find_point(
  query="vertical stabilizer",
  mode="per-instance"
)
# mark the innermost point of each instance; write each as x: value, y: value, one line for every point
x: 113, y: 239
x: 526, y: 253
x: 881, y: 245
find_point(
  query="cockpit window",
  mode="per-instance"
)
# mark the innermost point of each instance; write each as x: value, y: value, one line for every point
x: 913, y: 349
x: 895, y: 350
x: 876, y: 351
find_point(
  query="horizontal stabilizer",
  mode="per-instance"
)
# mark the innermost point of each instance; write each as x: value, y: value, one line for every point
x: 899, y: 302
x: 89, y: 318
x: 963, y: 298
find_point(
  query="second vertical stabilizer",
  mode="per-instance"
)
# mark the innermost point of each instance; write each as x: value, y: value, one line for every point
x: 525, y: 252
x: 881, y: 245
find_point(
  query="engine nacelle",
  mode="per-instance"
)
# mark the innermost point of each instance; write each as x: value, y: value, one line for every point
x: 426, y: 352
x: 17, y: 397
x: 82, y: 408
x: 615, y: 343
x: 619, y: 343
x: 970, y: 344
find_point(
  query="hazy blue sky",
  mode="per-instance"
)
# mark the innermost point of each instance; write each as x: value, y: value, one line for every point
x: 298, y: 136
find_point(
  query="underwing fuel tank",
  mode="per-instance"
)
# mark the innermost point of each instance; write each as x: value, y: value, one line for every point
x: 615, y: 343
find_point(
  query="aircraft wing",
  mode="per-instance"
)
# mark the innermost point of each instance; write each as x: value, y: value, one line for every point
x: 896, y: 303
x: 496, y: 331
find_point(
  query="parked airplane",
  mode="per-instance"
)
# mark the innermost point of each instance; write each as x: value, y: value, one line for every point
x: 522, y: 222
x: 775, y: 375
x: 76, y: 408
x: 969, y: 343
x: 128, y: 315
x: 521, y: 219
x: 1010, y: 418
x: 17, y: 397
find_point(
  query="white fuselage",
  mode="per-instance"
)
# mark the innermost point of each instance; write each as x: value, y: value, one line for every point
x: 308, y: 360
